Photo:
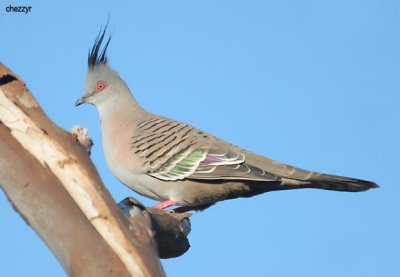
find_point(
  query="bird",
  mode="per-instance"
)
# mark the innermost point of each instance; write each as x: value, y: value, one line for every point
x: 177, y: 164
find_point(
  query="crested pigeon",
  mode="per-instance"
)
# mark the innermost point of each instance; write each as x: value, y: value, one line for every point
x: 176, y: 163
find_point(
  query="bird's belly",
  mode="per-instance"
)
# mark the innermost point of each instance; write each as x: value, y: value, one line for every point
x: 129, y: 175
x: 138, y: 183
x: 184, y: 192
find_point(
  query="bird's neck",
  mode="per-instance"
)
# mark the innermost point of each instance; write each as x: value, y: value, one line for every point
x: 117, y: 119
x: 119, y: 110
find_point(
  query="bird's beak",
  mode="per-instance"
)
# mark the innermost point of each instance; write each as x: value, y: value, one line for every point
x: 81, y: 100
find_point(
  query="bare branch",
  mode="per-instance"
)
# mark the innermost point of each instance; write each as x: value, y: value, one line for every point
x: 52, y: 183
x: 170, y: 229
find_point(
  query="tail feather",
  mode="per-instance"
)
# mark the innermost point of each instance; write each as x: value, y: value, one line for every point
x: 331, y: 182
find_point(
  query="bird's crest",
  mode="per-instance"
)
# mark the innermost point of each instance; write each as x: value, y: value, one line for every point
x: 96, y: 54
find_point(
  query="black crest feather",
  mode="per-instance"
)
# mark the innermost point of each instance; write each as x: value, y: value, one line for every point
x: 96, y: 54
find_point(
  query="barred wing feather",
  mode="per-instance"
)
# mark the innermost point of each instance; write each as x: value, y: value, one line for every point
x: 174, y: 151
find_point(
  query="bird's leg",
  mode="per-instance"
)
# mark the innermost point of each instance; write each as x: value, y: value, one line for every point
x: 165, y: 204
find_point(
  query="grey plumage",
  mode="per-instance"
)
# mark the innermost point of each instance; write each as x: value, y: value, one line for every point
x: 179, y: 164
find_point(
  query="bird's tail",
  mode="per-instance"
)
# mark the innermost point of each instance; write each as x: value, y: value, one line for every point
x: 329, y: 182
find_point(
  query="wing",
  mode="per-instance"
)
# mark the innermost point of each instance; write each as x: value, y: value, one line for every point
x: 173, y: 151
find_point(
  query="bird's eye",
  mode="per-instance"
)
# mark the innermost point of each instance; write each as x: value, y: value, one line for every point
x: 100, y: 86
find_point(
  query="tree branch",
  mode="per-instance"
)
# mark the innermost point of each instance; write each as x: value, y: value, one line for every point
x: 53, y: 185
x: 170, y: 229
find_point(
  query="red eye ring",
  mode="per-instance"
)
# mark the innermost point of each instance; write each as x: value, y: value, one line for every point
x: 100, y: 86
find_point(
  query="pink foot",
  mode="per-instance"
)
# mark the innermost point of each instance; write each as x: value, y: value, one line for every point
x: 165, y: 204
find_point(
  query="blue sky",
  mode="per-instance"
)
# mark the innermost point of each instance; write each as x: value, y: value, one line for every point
x: 310, y: 83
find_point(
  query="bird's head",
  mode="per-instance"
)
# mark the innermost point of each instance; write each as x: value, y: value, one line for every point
x: 102, y: 82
